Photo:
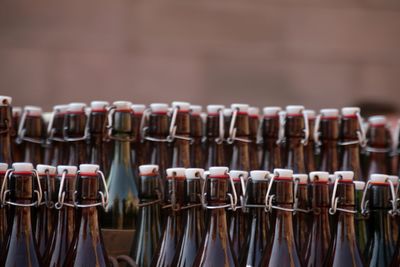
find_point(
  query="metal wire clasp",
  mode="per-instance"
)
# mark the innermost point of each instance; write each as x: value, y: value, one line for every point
x: 61, y: 193
x: 232, y: 197
x: 270, y: 198
x: 21, y: 131
x: 109, y: 127
x: 232, y: 130
x: 334, y: 200
x: 296, y: 199
x: 103, y: 194
x: 172, y: 128
x: 220, y: 139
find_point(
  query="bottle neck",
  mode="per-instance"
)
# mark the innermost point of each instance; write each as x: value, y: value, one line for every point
x: 5, y: 128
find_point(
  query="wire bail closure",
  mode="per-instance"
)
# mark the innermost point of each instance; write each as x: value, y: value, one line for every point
x: 232, y: 130
x: 103, y: 195
x: 172, y: 128
x: 22, y: 131
x: 334, y: 200
x: 232, y: 197
x: 4, y: 192
x: 109, y: 127
x: 296, y: 199
x: 364, y: 202
x: 246, y: 205
x: 270, y: 198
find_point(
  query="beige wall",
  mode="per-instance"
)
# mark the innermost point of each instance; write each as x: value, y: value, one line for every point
x: 322, y: 53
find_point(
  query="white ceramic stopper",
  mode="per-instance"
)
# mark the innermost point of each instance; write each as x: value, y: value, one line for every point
x: 22, y: 167
x: 194, y: 173
x: 218, y: 171
x: 138, y: 108
x: 122, y: 105
x: 254, y: 111
x: 183, y: 106
x: 283, y: 173
x: 195, y: 109
x: 350, y: 111
x: 76, y: 107
x: 99, y: 105
x: 235, y: 175
x: 359, y: 185
x: 303, y: 178
x: 42, y: 169
x: 319, y: 176
x: 329, y: 113
x: 33, y: 111
x: 375, y: 121
x: 178, y: 172
x: 294, y: 109
x: 344, y: 175
x: 214, y: 109
x: 5, y: 100
x: 159, y: 107
x: 259, y: 175
x: 148, y: 169
x: 71, y: 170
x: 89, y: 168
x: 3, y: 167
x: 241, y: 108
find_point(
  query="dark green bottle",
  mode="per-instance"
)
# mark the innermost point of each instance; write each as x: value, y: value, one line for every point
x: 193, y: 220
x: 173, y: 224
x: 380, y: 208
x: 259, y: 233
x: 216, y: 248
x: 149, y: 219
x: 21, y: 196
x: 123, y: 207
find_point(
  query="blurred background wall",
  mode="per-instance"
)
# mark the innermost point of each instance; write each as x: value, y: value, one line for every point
x: 320, y: 53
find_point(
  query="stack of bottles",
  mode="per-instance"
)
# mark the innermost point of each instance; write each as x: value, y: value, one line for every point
x: 130, y: 185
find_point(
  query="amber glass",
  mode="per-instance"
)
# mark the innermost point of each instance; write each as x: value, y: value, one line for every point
x: 302, y: 221
x: 149, y: 221
x: 74, y: 127
x: 181, y: 147
x: 173, y: 224
x: 16, y: 148
x: 343, y: 250
x: 228, y: 147
x: 87, y: 247
x: 320, y: 236
x: 33, y: 130
x: 377, y: 153
x: 193, y: 230
x: 46, y: 215
x: 4, y: 214
x: 271, y: 156
x: 240, y: 149
x: 97, y: 153
x: 293, y: 146
x: 21, y: 248
x: 350, y: 153
x: 56, y: 152
x: 196, y: 150
x: 380, y: 247
x: 6, y: 127
x: 282, y: 251
x: 214, y: 146
x: 259, y: 232
x: 216, y: 248
x: 329, y: 137
x: 66, y: 223
x: 254, y: 124
x: 309, y: 148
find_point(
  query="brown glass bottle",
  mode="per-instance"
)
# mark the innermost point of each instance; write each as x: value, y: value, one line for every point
x: 16, y: 148
x: 66, y: 218
x: 320, y: 235
x: 31, y: 134
x: 156, y: 135
x: 180, y: 134
x: 139, y: 151
x: 302, y: 219
x: 350, y: 138
x: 254, y: 125
x: 380, y: 247
x: 215, y: 135
x: 377, y: 152
x: 271, y: 155
x: 227, y: 146
x: 193, y: 220
x: 21, y: 249
x: 196, y: 132
x: 239, y: 138
x: 173, y: 224
x: 343, y: 250
x: 259, y: 233
x: 282, y: 251
x: 327, y: 137
x: 56, y: 152
x: 75, y: 133
x: 238, y: 220
x: 294, y: 139
x: 149, y: 219
x: 309, y: 148
x: 87, y: 248
x: 216, y: 247
x: 97, y: 153
x: 6, y: 127
x: 46, y: 215
x: 4, y: 211
x: 394, y: 220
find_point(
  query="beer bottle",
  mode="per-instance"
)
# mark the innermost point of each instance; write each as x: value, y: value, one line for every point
x: 46, y: 216
x: 6, y: 127
x: 56, y: 152
x: 214, y: 136
x: 377, y: 151
x: 139, y: 153
x: 196, y: 132
x: 31, y: 134
x: 302, y: 219
x: 394, y: 220
x: 173, y: 225
x: 120, y: 216
x: 320, y: 235
x: 156, y: 134
x: 296, y: 136
x: 351, y: 138
x: 87, y: 248
x: 16, y: 148
x: 239, y: 137
x: 271, y: 155
x: 180, y: 134
x: 380, y: 196
x: 238, y: 220
x: 254, y: 125
x: 149, y: 220
x: 216, y: 248
x: 227, y: 145
x: 343, y: 249
x: 4, y: 212
x: 259, y: 233
x: 309, y: 148
x: 282, y: 251
x: 193, y: 224
x: 21, y: 196
x: 66, y: 218
x: 76, y: 133
x: 326, y: 136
